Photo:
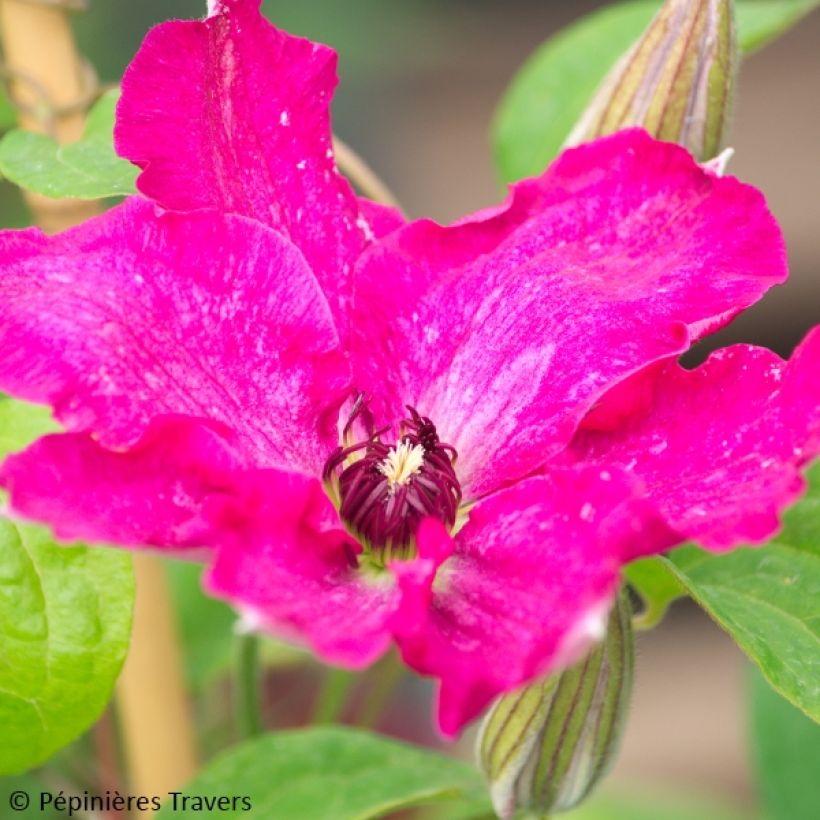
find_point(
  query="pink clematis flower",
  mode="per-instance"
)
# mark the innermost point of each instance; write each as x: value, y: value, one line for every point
x: 450, y: 438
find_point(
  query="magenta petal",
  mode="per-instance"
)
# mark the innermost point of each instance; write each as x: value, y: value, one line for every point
x: 526, y: 589
x: 137, y: 314
x: 232, y: 114
x: 382, y: 219
x: 285, y: 562
x: 720, y: 448
x: 154, y: 494
x: 506, y: 328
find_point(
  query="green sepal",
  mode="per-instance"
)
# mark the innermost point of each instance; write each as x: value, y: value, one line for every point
x: 544, y: 747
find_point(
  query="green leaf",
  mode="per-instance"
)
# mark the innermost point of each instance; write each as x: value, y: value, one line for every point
x: 787, y: 752
x: 657, y: 586
x: 659, y: 806
x: 333, y: 773
x: 86, y: 169
x: 761, y: 21
x: 555, y: 85
x: 65, y: 621
x: 768, y: 599
x: 21, y: 424
x: 8, y: 114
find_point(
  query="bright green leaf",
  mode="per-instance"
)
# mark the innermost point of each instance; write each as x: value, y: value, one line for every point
x: 657, y: 586
x: 65, y: 621
x: 86, y: 169
x: 787, y: 753
x: 21, y: 423
x: 333, y: 773
x: 555, y: 85
x: 768, y: 599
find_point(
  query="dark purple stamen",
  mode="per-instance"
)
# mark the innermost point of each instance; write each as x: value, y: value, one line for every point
x: 384, y: 514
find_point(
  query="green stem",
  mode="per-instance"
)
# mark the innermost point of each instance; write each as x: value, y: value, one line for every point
x: 332, y: 696
x: 248, y: 687
x: 387, y: 676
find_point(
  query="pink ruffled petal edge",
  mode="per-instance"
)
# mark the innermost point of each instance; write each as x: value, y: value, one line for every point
x: 139, y: 313
x: 506, y: 328
x: 285, y: 562
x: 154, y: 494
x: 719, y: 448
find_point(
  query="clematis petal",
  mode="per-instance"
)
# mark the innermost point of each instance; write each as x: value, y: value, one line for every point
x: 381, y: 219
x: 138, y: 314
x: 285, y: 562
x: 232, y: 114
x: 720, y: 448
x: 153, y: 494
x: 524, y: 587
x: 506, y: 328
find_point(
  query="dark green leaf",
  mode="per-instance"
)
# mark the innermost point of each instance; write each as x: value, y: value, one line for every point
x: 555, y: 85
x: 334, y: 773
x: 787, y: 753
x: 65, y: 621
x: 768, y: 599
x: 87, y: 169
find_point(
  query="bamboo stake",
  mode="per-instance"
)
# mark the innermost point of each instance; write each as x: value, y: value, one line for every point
x: 50, y: 86
x: 152, y: 704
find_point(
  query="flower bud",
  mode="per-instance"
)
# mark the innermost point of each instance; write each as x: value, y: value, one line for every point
x: 677, y: 81
x: 544, y: 747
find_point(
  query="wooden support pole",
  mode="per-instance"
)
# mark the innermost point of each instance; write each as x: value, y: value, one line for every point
x: 152, y: 703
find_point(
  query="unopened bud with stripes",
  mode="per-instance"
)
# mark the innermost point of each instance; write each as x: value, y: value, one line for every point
x: 677, y: 82
x: 543, y: 748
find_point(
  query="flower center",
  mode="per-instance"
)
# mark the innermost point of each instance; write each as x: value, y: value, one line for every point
x: 383, y: 491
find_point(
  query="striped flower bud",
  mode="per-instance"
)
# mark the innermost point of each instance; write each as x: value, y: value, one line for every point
x: 544, y: 747
x: 677, y: 81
